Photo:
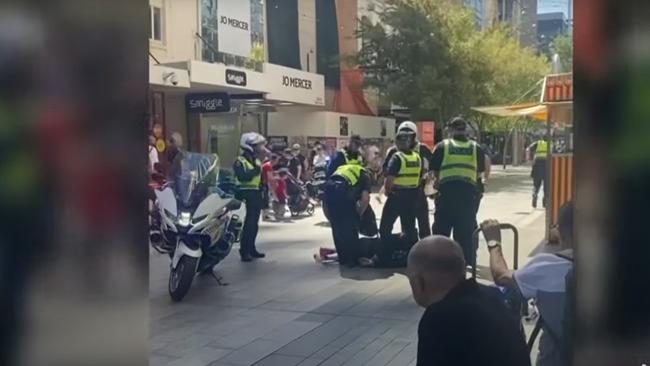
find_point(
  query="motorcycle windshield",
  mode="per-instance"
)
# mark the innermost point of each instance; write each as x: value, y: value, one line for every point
x: 192, y: 175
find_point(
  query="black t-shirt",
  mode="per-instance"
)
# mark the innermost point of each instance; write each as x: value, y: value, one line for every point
x: 470, y: 327
x: 436, y: 164
x: 294, y: 164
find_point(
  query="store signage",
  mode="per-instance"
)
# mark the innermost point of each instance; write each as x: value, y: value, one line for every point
x: 207, y: 103
x: 234, y: 33
x: 234, y: 23
x: 296, y: 82
x: 235, y: 77
x: 295, y: 86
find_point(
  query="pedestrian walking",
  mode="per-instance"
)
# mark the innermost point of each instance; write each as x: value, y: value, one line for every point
x: 268, y: 184
x: 403, y: 175
x: 248, y: 172
x: 320, y: 157
x: 298, y: 165
x: 422, y: 203
x: 538, y: 173
x: 464, y: 323
x: 153, y: 154
x: 347, y: 196
x: 457, y: 165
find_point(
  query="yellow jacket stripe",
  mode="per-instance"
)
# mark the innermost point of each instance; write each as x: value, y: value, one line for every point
x: 254, y: 183
x: 459, y: 161
x: 410, y: 170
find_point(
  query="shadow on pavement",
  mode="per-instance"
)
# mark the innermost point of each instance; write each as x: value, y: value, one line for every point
x: 369, y: 274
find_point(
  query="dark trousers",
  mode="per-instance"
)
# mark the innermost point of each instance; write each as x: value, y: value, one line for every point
x: 344, y: 220
x: 400, y: 204
x: 456, y: 213
x: 539, y: 177
x: 422, y: 214
x: 253, y: 201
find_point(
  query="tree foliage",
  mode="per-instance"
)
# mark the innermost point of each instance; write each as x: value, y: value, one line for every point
x: 430, y: 56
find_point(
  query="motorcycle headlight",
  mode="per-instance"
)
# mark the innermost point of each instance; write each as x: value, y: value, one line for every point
x: 184, y: 219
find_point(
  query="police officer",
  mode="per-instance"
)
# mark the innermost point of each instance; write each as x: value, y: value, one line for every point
x: 248, y: 172
x: 539, y: 169
x: 457, y: 165
x: 403, y: 176
x: 347, y: 195
x: 422, y: 204
x: 351, y: 154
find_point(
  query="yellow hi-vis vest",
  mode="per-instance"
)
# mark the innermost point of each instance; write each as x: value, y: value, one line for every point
x: 350, y: 172
x: 541, y: 151
x: 254, y: 183
x: 459, y: 161
x: 349, y: 160
x: 410, y: 170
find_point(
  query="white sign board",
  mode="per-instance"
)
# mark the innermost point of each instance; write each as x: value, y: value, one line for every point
x: 296, y: 86
x: 234, y: 28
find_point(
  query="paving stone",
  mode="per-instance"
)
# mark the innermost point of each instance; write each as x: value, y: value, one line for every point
x: 201, y: 357
x: 252, y: 352
x: 320, y: 337
x: 280, y: 360
x: 160, y: 360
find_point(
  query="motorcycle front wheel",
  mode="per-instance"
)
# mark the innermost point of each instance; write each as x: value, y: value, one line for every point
x: 181, y: 277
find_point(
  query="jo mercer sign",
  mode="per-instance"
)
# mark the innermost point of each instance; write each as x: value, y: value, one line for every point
x: 296, y: 82
x: 296, y: 86
x: 233, y: 30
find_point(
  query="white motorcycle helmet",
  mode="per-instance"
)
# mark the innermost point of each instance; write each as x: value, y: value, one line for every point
x: 407, y: 126
x: 249, y: 140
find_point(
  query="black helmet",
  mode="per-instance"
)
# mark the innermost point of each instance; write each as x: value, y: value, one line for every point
x: 458, y: 123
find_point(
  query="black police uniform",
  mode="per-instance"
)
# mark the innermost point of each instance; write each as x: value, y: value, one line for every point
x: 422, y: 203
x: 252, y: 197
x: 341, y: 199
x: 456, y: 204
x: 400, y: 203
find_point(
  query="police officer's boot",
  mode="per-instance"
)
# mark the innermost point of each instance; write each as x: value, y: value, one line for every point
x: 256, y: 254
x: 534, y: 200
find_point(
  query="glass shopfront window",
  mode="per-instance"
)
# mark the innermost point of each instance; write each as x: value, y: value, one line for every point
x: 210, y: 50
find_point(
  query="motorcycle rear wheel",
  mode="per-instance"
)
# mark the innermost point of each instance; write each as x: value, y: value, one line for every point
x: 181, y: 277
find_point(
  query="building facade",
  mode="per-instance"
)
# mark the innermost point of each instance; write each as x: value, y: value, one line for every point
x: 219, y: 68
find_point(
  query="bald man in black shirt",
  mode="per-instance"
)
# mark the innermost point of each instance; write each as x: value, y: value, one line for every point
x: 464, y: 324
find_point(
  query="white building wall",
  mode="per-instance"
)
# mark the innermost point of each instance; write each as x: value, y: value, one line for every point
x: 297, y: 122
x: 180, y: 25
x: 307, y: 36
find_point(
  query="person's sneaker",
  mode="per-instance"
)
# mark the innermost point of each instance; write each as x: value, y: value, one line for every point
x: 246, y: 258
x: 257, y: 254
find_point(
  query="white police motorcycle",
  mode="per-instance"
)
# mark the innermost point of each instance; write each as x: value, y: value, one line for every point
x: 196, y: 221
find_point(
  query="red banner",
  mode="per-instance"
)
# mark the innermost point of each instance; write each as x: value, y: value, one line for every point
x: 427, y: 132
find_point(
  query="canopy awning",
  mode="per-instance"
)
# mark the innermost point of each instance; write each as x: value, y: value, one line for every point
x: 535, y: 110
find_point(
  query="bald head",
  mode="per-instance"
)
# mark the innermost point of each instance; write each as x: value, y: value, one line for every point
x: 437, y: 255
